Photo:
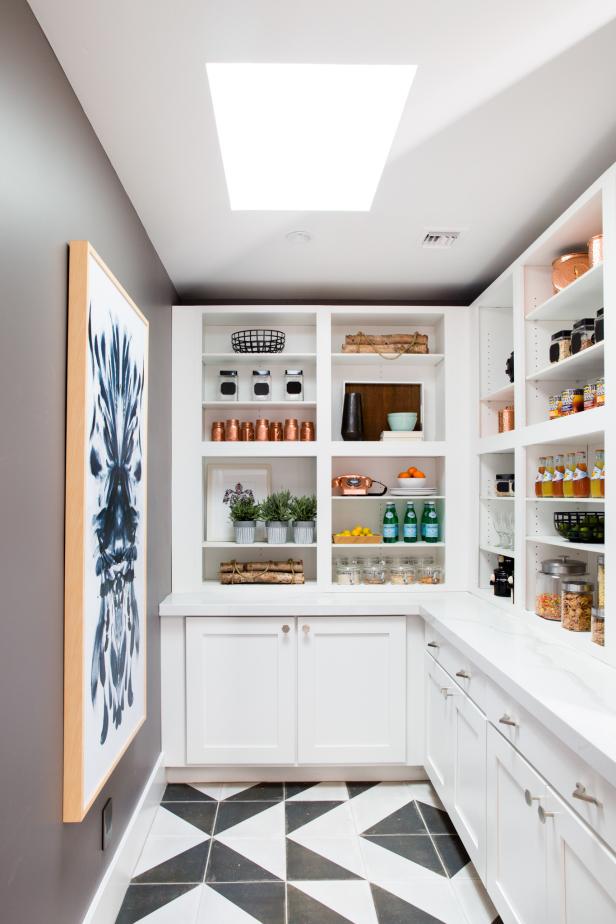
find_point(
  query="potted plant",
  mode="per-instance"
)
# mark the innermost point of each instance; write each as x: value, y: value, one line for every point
x: 303, y: 514
x: 276, y: 514
x: 244, y: 513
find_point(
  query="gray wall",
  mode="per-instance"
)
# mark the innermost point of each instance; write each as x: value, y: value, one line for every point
x: 56, y: 184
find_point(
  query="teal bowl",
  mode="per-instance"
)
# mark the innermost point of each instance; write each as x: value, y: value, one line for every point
x: 403, y: 420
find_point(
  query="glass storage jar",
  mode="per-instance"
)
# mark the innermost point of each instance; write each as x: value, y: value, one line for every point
x: 348, y: 572
x: 261, y: 385
x: 294, y: 385
x: 373, y: 572
x: 227, y: 385
x: 582, y: 335
x: 431, y: 574
x: 560, y: 345
x: 577, y: 605
x: 402, y: 573
x: 548, y: 597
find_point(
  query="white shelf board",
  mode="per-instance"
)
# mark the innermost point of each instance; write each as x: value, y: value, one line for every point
x: 501, y: 394
x: 257, y: 360
x: 388, y: 545
x: 419, y: 359
x: 380, y: 448
x: 388, y: 497
x: 491, y: 497
x: 596, y: 547
x: 566, y: 500
x: 580, y: 299
x: 574, y: 427
x: 258, y: 449
x: 246, y: 546
x: 496, y: 550
x: 256, y: 405
x: 240, y: 589
x: 587, y: 362
x: 498, y: 442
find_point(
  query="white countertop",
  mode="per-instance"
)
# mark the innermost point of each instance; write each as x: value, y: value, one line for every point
x: 572, y: 693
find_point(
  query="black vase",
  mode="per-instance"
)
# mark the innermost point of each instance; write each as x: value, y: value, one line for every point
x: 352, y: 417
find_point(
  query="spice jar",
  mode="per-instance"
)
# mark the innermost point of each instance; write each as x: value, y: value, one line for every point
x: 582, y: 335
x: 590, y: 396
x: 576, y: 608
x: 402, y: 573
x: 548, y: 600
x: 227, y: 385
x: 261, y: 385
x: 560, y: 346
x: 348, y: 572
x: 600, y: 392
x: 294, y: 385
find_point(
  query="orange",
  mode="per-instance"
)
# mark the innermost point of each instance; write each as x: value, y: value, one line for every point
x: 418, y: 474
x: 404, y: 475
x: 411, y: 470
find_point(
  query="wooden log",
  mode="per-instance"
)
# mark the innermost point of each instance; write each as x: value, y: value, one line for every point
x: 385, y: 349
x: 275, y: 566
x: 386, y: 338
x: 253, y: 577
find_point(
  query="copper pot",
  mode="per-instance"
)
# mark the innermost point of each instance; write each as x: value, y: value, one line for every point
x: 567, y: 269
x: 232, y: 430
x: 275, y: 431
x: 291, y: 429
x: 218, y: 431
x: 262, y: 429
x: 306, y: 431
x: 595, y: 249
x: 247, y: 431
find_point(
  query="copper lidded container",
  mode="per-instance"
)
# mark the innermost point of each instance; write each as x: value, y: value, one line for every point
x: 567, y: 269
x: 306, y: 431
x: 247, y: 431
x: 262, y: 429
x: 595, y: 250
x: 506, y: 419
x: 232, y: 430
x: 218, y: 431
x: 275, y: 431
x: 291, y: 429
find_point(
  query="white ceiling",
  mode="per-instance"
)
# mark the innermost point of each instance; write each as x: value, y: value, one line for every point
x: 511, y: 115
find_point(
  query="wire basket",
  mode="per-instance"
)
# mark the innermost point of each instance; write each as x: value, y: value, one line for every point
x: 257, y: 340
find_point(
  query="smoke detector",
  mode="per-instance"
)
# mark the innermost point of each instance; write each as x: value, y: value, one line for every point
x: 440, y: 240
x: 299, y: 237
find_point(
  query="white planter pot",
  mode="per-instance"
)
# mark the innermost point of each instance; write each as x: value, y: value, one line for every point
x: 303, y: 532
x: 277, y: 532
x: 245, y: 531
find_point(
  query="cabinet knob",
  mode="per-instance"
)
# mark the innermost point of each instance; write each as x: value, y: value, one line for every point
x: 507, y: 720
x: 306, y: 629
x: 580, y: 793
x: 543, y: 814
x: 464, y: 674
x: 286, y: 629
x: 528, y: 796
x: 446, y: 692
x: 432, y: 644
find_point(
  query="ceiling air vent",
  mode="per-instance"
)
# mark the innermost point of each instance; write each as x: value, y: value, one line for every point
x: 440, y: 240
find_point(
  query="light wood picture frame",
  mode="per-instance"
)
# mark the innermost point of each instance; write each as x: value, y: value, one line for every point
x: 105, y: 578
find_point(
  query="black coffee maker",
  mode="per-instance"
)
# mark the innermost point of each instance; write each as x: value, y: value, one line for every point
x: 502, y: 579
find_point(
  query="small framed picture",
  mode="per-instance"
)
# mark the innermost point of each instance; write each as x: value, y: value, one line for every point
x: 224, y: 482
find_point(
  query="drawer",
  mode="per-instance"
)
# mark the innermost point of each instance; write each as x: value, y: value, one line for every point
x: 459, y: 667
x: 561, y: 767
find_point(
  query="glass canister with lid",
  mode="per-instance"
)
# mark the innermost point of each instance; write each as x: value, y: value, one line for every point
x: 261, y: 385
x: 402, y: 572
x: 348, y: 572
x: 554, y: 571
x: 294, y: 385
x: 227, y: 385
x: 577, y: 604
x: 373, y: 571
x: 598, y: 614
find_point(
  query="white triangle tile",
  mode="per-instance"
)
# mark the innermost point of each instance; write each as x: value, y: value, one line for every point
x: 377, y: 803
x: 216, y: 909
x: 322, y: 792
x: 351, y: 900
x: 474, y: 900
x: 231, y: 789
x: 336, y: 823
x: 209, y: 789
x: 345, y: 851
x: 270, y: 853
x: 382, y: 864
x: 182, y: 910
x: 436, y: 899
x: 158, y: 849
x: 169, y: 824
x: 425, y: 792
x: 266, y: 824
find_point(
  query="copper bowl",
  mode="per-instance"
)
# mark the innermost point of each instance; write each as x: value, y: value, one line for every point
x: 595, y: 249
x: 568, y: 268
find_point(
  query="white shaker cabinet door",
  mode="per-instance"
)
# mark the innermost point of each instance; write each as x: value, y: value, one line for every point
x: 581, y: 870
x: 240, y: 690
x: 439, y: 692
x: 352, y: 690
x: 516, y: 854
x: 467, y: 805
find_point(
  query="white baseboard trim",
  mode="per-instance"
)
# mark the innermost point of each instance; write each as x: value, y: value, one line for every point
x: 108, y: 898
x: 271, y: 774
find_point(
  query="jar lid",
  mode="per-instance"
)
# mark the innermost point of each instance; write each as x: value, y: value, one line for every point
x: 563, y: 566
x: 584, y: 322
x: 228, y: 372
x: 510, y: 477
x: 578, y: 587
x: 293, y: 371
x: 260, y: 372
x: 599, y: 313
x: 560, y: 335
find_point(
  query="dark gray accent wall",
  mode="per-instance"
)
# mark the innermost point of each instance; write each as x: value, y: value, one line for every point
x: 57, y: 184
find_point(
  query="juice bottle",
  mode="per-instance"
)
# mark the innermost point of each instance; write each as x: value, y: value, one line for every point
x: 539, y: 477
x: 569, y: 472
x: 429, y: 523
x: 409, y: 527
x: 548, y: 475
x: 581, y: 481
x: 390, y: 523
x: 559, y: 474
x: 597, y: 479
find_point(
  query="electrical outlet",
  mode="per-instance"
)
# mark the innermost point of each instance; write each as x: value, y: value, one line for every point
x: 107, y: 823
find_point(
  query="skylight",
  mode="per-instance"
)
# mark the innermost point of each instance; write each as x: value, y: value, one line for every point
x: 306, y: 137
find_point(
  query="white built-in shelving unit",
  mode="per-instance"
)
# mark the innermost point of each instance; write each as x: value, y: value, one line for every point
x: 520, y: 312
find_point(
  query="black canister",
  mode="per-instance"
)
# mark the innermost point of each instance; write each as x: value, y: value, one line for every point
x: 352, y: 417
x: 599, y: 326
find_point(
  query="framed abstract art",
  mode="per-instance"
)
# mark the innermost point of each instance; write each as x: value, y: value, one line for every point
x: 105, y: 538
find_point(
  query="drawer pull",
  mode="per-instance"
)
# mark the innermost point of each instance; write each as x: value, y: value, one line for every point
x: 447, y: 692
x: 543, y: 814
x: 507, y: 720
x: 580, y: 793
x: 286, y: 629
x: 306, y: 629
x: 530, y: 798
x: 433, y: 645
x: 464, y: 674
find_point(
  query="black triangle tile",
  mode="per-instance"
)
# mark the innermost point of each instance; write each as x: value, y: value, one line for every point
x: 141, y: 900
x: 305, y: 864
x: 188, y: 866
x: 199, y: 814
x: 264, y: 901
x: 227, y: 865
x: 415, y: 847
x: 452, y: 852
x: 182, y: 792
x: 298, y: 814
x: 405, y: 820
x: 303, y: 909
x: 393, y: 910
x: 356, y: 789
x: 294, y: 789
x: 232, y: 813
x: 261, y: 792
x: 437, y: 820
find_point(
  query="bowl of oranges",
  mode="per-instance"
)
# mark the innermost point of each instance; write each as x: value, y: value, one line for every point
x: 412, y: 479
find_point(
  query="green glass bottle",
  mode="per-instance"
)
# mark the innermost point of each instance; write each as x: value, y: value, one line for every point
x: 390, y: 523
x: 429, y: 523
x: 409, y: 527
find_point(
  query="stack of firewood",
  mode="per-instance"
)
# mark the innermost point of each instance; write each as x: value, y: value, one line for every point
x: 262, y: 572
x: 385, y: 343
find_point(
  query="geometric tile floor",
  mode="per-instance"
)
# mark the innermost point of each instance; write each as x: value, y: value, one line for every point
x: 304, y: 853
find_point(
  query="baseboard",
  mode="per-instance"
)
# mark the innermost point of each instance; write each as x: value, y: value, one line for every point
x: 109, y: 896
x: 270, y: 774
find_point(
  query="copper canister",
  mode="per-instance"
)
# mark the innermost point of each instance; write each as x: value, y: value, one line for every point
x: 232, y: 430
x: 306, y: 431
x: 262, y: 429
x: 275, y: 431
x: 506, y: 419
x: 247, y: 431
x: 595, y: 249
x: 218, y: 431
x: 291, y: 429
x: 567, y: 269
